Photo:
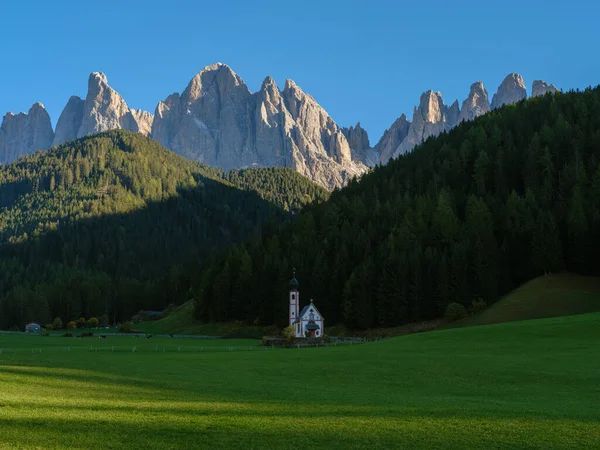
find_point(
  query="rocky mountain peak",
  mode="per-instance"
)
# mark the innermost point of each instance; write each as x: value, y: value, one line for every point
x: 69, y: 121
x: 476, y: 104
x: 540, y: 87
x: 358, y: 139
x: 215, y: 81
x: 103, y: 109
x: 268, y: 81
x: 97, y: 79
x: 219, y: 122
x: 510, y: 91
x: 289, y: 84
x: 392, y: 138
x: 431, y: 106
x: 452, y: 115
x: 22, y: 134
x: 430, y: 118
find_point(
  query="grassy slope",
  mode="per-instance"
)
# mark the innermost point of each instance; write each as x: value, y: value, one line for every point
x: 522, y: 384
x: 181, y: 321
x: 550, y: 296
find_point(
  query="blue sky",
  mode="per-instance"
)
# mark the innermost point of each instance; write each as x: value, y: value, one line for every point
x: 364, y: 61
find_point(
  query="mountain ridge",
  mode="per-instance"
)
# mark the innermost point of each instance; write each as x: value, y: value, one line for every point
x: 219, y: 121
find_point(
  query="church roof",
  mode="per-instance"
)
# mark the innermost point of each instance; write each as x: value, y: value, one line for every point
x: 305, y: 309
x: 294, y: 283
x: 312, y: 327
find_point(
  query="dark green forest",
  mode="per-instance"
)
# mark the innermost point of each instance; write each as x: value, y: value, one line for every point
x: 467, y: 216
x: 114, y: 223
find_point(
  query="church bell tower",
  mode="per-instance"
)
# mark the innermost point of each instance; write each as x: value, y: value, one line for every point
x: 294, y: 299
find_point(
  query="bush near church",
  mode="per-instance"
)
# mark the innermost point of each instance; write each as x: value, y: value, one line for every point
x: 57, y: 323
x: 289, y: 333
x: 455, y: 311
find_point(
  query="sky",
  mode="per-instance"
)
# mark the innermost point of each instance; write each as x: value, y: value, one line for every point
x: 363, y: 61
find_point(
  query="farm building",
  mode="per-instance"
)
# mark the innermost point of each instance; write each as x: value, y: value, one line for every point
x: 307, y: 323
x: 33, y: 328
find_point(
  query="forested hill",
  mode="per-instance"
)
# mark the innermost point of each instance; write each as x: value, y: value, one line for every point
x: 283, y: 187
x: 113, y: 223
x: 468, y: 215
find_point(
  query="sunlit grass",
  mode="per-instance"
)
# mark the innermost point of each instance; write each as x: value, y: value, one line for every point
x: 520, y: 385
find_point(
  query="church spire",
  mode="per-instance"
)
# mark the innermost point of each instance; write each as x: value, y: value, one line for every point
x: 294, y: 282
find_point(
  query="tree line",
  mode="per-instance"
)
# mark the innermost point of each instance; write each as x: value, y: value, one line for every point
x: 466, y: 217
x: 114, y: 223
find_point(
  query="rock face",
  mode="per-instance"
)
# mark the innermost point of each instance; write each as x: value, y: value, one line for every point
x: 430, y: 118
x: 540, y: 87
x: 392, y: 138
x: 510, y: 91
x: 69, y: 121
x: 218, y: 121
x: 476, y: 104
x: 22, y: 134
x: 452, y: 116
x: 358, y: 139
x: 103, y: 109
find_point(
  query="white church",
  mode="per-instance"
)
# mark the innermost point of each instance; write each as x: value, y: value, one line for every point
x: 308, y: 322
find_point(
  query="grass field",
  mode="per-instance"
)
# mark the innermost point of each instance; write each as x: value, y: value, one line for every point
x: 550, y: 296
x: 532, y: 384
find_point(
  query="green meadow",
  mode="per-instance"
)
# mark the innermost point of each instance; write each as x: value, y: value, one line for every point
x: 529, y: 384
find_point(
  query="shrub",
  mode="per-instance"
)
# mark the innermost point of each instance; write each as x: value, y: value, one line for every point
x: 80, y: 323
x: 455, y: 311
x: 49, y: 327
x: 137, y: 318
x: 71, y: 325
x: 477, y: 305
x: 93, y: 322
x: 289, y: 333
x: 57, y: 324
x: 125, y: 328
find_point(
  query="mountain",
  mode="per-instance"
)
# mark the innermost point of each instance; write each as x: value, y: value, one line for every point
x: 476, y: 104
x: 540, y: 87
x: 431, y: 117
x: 391, y: 139
x: 109, y: 217
x: 465, y: 217
x: 511, y: 90
x: 218, y: 121
x: 103, y: 109
x: 23, y: 134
